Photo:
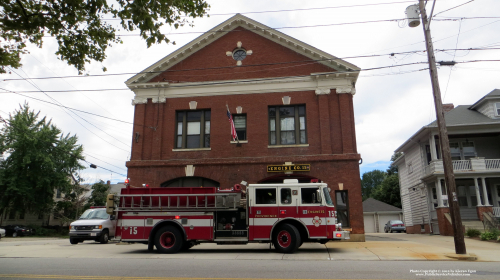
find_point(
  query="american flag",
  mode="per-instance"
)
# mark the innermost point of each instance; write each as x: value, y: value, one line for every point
x: 233, y: 129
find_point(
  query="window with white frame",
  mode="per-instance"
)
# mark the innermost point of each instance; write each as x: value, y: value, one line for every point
x: 497, y: 109
x: 410, y: 168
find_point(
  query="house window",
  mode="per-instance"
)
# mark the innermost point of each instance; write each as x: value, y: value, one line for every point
x: 21, y: 216
x: 58, y: 193
x: 410, y: 168
x: 193, y: 129
x: 287, y: 125
x: 497, y: 109
x: 12, y: 215
x: 40, y: 216
x: 455, y: 151
x: 240, y: 124
x: 468, y: 149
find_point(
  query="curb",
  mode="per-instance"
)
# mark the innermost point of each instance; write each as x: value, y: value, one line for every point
x: 460, y: 257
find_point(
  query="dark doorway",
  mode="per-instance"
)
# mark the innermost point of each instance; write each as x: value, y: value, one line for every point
x: 190, y: 182
x: 342, y: 205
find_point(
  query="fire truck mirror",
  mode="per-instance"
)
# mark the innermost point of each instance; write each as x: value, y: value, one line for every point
x: 318, y: 195
x: 110, y: 204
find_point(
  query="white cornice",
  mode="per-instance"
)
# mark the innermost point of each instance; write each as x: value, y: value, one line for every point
x: 307, y: 83
x: 239, y: 20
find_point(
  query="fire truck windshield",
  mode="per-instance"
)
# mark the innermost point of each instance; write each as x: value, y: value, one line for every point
x: 94, y: 214
x: 328, y: 199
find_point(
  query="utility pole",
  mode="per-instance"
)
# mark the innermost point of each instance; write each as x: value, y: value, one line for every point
x: 458, y: 233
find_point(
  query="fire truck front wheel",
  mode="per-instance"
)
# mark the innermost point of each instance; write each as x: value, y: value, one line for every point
x: 168, y: 240
x: 286, y: 239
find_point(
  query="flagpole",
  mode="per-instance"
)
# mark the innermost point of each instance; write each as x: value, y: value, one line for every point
x: 237, y: 140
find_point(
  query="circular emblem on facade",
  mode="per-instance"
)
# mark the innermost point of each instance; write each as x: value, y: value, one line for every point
x: 316, y: 221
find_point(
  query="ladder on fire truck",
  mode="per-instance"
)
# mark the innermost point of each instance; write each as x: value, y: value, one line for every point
x: 177, y: 202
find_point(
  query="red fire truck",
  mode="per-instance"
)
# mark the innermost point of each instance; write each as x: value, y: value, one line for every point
x: 173, y: 219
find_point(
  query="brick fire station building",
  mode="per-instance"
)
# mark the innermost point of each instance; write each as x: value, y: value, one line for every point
x: 292, y: 106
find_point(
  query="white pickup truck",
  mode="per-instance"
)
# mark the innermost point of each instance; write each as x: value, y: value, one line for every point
x: 93, y: 224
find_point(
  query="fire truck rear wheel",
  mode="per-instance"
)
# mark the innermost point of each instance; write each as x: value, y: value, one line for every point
x: 168, y: 240
x: 286, y: 239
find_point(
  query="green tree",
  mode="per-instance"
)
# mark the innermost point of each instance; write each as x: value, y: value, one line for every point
x: 388, y: 191
x: 81, y: 27
x: 38, y: 158
x: 99, y: 194
x: 370, y: 181
x: 72, y: 204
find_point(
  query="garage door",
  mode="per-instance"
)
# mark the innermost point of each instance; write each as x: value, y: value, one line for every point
x: 369, y: 223
x: 384, y: 218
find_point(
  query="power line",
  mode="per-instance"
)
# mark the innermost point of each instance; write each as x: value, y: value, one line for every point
x: 105, y: 162
x: 95, y: 166
x: 242, y: 66
x: 301, y: 9
x: 36, y: 86
x: 453, y: 7
x: 69, y: 108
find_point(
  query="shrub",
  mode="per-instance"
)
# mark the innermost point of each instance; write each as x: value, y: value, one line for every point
x: 488, y: 235
x: 472, y: 232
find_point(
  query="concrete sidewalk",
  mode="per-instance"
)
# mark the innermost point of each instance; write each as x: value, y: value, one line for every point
x: 379, y: 246
x: 401, y: 246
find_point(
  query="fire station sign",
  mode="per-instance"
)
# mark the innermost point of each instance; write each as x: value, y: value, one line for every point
x: 288, y: 168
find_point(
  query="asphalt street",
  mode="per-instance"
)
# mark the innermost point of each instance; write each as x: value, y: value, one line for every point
x: 383, y: 256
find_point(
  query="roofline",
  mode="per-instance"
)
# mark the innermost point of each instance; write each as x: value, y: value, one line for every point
x: 238, y: 19
x: 473, y: 106
x: 384, y: 212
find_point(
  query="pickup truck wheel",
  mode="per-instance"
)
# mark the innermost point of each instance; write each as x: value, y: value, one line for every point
x: 104, y: 237
x: 286, y: 239
x: 168, y: 240
x: 73, y: 240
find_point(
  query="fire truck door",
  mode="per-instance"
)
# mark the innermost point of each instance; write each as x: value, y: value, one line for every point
x: 312, y: 211
x: 263, y: 212
x: 288, y: 202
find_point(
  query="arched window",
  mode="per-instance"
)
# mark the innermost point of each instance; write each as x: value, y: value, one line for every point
x: 190, y: 182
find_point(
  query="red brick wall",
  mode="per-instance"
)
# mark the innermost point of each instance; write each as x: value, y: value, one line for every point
x: 417, y: 229
x: 483, y: 209
x: 215, y: 65
x: 331, y: 152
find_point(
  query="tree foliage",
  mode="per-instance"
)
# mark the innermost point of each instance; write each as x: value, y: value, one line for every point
x: 72, y: 204
x: 99, y: 194
x: 383, y: 186
x: 370, y: 181
x: 38, y: 158
x: 81, y: 27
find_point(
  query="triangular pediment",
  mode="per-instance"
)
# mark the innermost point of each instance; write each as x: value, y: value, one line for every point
x: 240, y: 21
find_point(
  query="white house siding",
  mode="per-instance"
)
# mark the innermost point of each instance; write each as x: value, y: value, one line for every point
x: 420, y: 211
x: 487, y: 109
x: 410, y: 178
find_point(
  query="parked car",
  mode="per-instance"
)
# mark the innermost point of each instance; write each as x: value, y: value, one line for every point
x: 93, y: 224
x: 2, y: 233
x: 16, y: 230
x: 394, y: 225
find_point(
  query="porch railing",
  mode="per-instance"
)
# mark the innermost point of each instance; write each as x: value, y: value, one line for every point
x: 461, y: 165
x: 496, y: 211
x: 492, y: 163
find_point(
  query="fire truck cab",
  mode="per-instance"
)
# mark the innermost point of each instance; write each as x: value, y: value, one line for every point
x: 174, y: 219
